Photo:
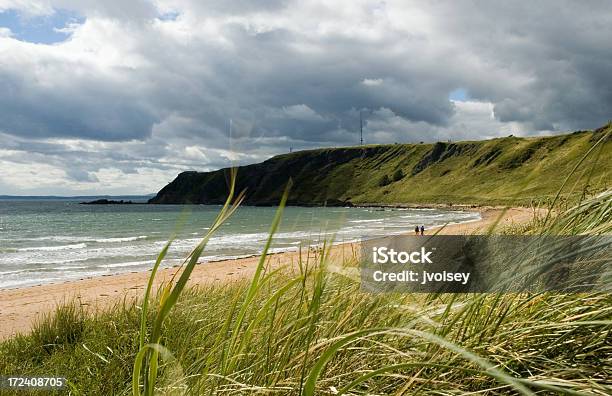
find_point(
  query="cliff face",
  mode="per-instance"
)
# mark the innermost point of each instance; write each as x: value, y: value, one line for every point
x: 498, y: 171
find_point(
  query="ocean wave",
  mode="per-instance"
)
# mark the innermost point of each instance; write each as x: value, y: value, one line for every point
x: 223, y: 257
x: 283, y: 249
x: 11, y: 272
x: 76, y: 239
x: 53, y: 248
x: 68, y: 267
x: 367, y: 221
x: 125, y: 239
x: 55, y: 238
x: 250, y: 241
x: 222, y: 240
x: 127, y: 264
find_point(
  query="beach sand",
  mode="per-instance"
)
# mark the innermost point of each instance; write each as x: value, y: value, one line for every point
x: 20, y: 308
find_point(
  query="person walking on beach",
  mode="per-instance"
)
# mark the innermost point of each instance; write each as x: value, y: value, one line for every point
x: 416, y: 230
x: 422, y: 230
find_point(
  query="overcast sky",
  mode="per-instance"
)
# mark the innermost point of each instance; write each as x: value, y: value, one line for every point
x: 119, y: 96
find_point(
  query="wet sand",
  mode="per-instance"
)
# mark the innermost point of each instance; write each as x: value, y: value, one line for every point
x: 20, y: 308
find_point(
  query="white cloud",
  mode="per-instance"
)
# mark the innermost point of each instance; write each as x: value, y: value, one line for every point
x: 29, y: 8
x: 300, y: 112
x: 372, y: 82
x: 5, y: 32
x: 195, y: 153
x: 470, y: 120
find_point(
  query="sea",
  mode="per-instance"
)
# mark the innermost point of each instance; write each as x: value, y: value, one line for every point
x: 55, y: 240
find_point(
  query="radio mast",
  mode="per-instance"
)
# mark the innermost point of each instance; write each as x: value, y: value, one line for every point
x: 360, y: 128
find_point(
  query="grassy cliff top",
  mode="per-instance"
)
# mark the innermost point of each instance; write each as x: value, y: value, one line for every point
x: 509, y: 170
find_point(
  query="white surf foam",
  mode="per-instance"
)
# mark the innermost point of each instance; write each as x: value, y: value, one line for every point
x: 115, y: 240
x: 53, y: 248
x: 128, y: 264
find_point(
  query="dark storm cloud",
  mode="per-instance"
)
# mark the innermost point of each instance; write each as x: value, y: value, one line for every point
x: 60, y: 122
x: 557, y: 61
x: 559, y: 53
x: 90, y: 112
x: 235, y: 7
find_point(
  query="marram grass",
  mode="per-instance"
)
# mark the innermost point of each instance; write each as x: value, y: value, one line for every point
x: 308, y: 329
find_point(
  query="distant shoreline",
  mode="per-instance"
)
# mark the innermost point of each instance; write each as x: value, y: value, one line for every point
x: 138, y: 200
x: 73, y: 197
x: 131, y: 200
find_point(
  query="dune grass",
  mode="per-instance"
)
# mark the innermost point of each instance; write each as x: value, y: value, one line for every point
x: 308, y: 329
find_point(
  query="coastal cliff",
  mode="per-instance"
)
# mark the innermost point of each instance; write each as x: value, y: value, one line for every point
x: 497, y: 171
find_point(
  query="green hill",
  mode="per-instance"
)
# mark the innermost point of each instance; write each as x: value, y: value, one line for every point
x: 497, y: 171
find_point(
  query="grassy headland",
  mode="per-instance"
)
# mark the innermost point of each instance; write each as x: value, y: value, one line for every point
x: 510, y: 170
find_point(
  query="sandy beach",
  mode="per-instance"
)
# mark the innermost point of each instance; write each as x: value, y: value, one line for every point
x: 20, y: 308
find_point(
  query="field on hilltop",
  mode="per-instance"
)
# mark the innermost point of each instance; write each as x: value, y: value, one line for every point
x: 509, y: 170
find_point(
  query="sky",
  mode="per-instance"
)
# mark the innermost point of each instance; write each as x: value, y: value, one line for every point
x: 116, y: 97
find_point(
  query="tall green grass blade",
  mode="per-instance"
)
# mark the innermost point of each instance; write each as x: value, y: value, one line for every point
x: 139, y: 363
x: 151, y: 364
x: 254, y: 286
x: 261, y: 314
x: 145, y: 302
